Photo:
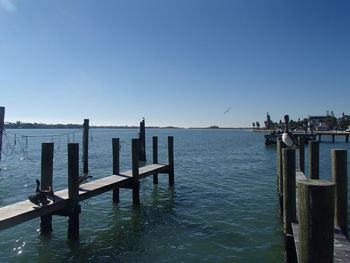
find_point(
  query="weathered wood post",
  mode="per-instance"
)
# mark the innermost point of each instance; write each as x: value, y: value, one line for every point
x: 347, y: 138
x: 333, y: 138
x: 314, y: 156
x: 86, y: 146
x: 142, y: 142
x: 73, y: 191
x: 2, y: 118
x: 289, y: 178
x: 319, y: 137
x: 155, y: 156
x: 289, y: 201
x: 301, y: 155
x: 115, y: 161
x: 316, y: 221
x: 135, y: 172
x: 47, y: 150
x: 171, y: 159
x: 280, y: 146
x: 340, y: 178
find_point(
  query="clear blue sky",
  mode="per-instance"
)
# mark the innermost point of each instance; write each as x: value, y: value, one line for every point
x: 174, y: 62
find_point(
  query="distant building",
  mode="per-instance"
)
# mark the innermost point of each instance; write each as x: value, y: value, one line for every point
x: 318, y: 122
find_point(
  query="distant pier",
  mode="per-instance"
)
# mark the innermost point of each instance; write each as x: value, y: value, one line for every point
x: 333, y: 134
x: 272, y: 137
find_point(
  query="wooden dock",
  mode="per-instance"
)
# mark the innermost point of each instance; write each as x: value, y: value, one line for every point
x: 341, y: 244
x: 21, y: 212
x: 314, y: 212
x: 67, y: 200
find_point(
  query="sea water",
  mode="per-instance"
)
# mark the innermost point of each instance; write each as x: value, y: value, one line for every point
x: 223, y: 207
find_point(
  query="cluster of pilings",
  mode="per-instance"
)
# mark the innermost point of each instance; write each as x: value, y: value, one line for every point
x: 72, y: 209
x: 311, y: 213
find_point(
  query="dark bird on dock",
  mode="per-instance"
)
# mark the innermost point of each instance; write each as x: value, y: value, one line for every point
x: 83, y: 178
x: 227, y: 110
x: 287, y: 137
x: 41, y: 197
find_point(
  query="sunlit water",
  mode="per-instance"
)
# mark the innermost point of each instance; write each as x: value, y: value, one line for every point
x: 223, y: 207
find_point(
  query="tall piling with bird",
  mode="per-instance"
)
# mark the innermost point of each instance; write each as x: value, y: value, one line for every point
x: 142, y: 142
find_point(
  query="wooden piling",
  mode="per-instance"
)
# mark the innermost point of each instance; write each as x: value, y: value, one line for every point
x: 155, y: 156
x: 142, y: 142
x: 280, y: 146
x: 314, y: 155
x: 135, y: 172
x: 86, y: 146
x: 115, y: 163
x: 333, y: 138
x: 47, y: 150
x: 2, y: 118
x: 289, y: 201
x: 316, y: 221
x: 347, y: 138
x: 301, y: 155
x: 171, y: 159
x: 73, y: 191
x: 340, y: 178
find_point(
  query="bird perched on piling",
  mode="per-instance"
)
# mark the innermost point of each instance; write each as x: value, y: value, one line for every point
x: 287, y: 137
x: 41, y: 197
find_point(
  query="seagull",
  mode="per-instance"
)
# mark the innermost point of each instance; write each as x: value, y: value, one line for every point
x: 227, y: 110
x: 287, y: 137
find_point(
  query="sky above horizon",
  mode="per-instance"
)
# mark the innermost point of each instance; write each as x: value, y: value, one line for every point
x: 185, y: 63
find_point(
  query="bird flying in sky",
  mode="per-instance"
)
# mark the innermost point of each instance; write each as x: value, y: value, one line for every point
x: 227, y: 110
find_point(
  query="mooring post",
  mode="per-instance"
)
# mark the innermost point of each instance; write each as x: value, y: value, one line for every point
x: 280, y: 146
x: 171, y: 159
x: 314, y: 156
x: 301, y: 155
x: 155, y: 156
x: 115, y: 161
x: 347, y: 138
x: 319, y: 137
x: 86, y: 146
x: 340, y: 178
x: 2, y: 118
x: 289, y: 201
x: 73, y: 191
x: 135, y: 172
x: 316, y: 220
x: 142, y: 142
x: 333, y: 138
x: 47, y: 150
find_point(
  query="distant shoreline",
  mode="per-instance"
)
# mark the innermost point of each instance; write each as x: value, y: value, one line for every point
x: 80, y: 126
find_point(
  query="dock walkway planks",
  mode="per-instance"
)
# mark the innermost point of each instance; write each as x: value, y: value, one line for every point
x: 20, y: 212
x: 341, y: 244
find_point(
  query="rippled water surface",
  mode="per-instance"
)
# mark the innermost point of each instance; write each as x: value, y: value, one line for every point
x: 223, y: 207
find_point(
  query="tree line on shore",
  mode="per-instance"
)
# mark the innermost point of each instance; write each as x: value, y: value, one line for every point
x: 341, y: 123
x: 35, y: 125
